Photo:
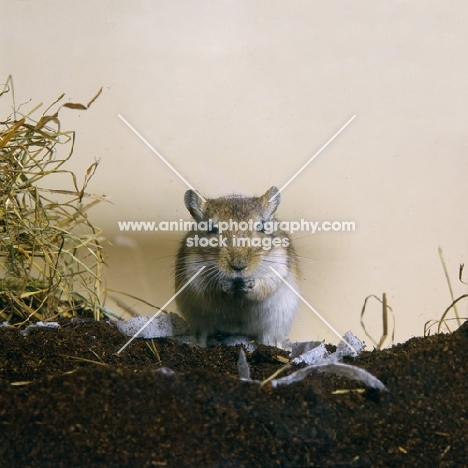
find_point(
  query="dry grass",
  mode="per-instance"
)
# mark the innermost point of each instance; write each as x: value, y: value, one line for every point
x: 51, y: 255
x: 385, y: 310
x: 440, y: 324
x: 444, y: 320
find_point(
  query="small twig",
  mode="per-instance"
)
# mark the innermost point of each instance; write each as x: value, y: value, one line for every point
x: 89, y: 349
x: 154, y: 350
x: 77, y: 358
x: 384, y: 321
x: 275, y: 374
x: 430, y: 323
x: 447, y: 310
x: 460, y: 273
x: 137, y: 299
x: 447, y: 277
x: 385, y: 309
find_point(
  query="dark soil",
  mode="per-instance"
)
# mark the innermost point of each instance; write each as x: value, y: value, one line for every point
x: 67, y: 400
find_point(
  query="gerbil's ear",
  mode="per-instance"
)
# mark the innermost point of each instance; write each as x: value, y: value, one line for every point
x: 271, y: 200
x: 194, y: 204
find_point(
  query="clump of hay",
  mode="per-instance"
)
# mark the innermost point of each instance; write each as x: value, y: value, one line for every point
x: 51, y: 255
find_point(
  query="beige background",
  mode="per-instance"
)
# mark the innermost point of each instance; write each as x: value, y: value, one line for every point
x: 238, y: 95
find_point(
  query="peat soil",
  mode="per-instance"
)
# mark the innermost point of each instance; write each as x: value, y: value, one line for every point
x: 68, y: 400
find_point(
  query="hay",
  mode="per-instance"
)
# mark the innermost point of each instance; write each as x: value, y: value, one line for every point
x: 51, y: 255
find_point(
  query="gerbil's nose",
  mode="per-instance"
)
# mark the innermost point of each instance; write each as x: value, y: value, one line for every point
x: 239, y: 264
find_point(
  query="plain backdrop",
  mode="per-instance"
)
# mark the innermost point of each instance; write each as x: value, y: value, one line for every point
x: 237, y: 95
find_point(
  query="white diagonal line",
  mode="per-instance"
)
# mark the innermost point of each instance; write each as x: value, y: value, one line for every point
x: 161, y: 309
x: 146, y: 142
x: 313, y: 157
x: 313, y: 310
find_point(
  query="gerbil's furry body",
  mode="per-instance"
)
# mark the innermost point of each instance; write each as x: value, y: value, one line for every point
x: 237, y: 292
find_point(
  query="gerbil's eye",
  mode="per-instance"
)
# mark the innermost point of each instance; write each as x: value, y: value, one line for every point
x: 212, y: 229
x: 260, y: 226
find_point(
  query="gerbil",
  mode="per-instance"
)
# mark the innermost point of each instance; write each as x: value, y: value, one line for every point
x: 237, y: 293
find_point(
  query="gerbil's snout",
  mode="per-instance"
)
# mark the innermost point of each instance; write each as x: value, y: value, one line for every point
x: 238, y: 264
x: 236, y: 279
